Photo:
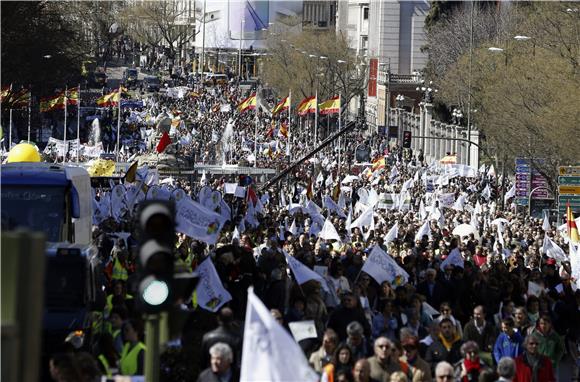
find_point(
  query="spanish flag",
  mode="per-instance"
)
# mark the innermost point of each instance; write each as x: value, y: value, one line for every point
x: 283, y: 132
x: 336, y: 192
x: 378, y: 163
x: 73, y: 96
x: 248, y: 104
x: 308, y: 105
x: 309, y: 190
x: 20, y: 98
x: 4, y: 93
x: 571, y: 224
x: 111, y: 99
x: 283, y: 105
x: 330, y: 106
x: 55, y: 102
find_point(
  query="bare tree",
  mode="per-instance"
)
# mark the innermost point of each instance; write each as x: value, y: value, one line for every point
x: 305, y: 64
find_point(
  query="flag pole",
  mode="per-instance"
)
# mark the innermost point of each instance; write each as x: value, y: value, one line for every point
x: 79, y: 123
x: 289, y: 125
x: 118, y: 124
x: 65, y: 112
x: 339, y: 138
x: 29, y: 112
x: 316, y: 119
x: 256, y: 135
x: 10, y: 127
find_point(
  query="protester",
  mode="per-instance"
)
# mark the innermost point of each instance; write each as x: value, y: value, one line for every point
x: 221, y: 367
x: 531, y: 365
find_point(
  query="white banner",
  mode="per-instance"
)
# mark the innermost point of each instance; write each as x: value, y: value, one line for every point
x: 196, y: 221
x: 211, y: 294
x: 302, y: 273
x: 382, y: 267
x: 269, y: 353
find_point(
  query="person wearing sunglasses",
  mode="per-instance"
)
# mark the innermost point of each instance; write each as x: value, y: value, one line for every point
x: 531, y: 365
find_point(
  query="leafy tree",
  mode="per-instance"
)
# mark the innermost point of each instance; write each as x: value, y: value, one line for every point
x: 526, y: 94
x: 40, y: 46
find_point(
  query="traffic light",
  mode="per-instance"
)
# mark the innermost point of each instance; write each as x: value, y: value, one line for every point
x: 406, y: 139
x: 155, y: 260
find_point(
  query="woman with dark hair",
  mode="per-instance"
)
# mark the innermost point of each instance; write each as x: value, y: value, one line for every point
x: 342, y: 361
x: 133, y: 355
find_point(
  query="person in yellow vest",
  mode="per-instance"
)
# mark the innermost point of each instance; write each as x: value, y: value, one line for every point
x: 119, y: 256
x: 108, y: 356
x: 133, y: 355
x: 115, y: 324
x: 118, y: 297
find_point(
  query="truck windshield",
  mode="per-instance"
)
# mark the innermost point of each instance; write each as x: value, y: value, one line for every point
x: 41, y: 208
x: 64, y: 285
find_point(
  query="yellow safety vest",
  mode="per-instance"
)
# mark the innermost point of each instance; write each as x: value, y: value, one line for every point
x: 105, y: 363
x: 119, y: 271
x: 128, y: 362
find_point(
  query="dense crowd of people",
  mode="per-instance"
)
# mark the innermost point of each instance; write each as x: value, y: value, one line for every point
x: 487, y: 302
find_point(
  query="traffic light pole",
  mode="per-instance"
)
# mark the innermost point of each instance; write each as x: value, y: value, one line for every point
x: 152, y: 354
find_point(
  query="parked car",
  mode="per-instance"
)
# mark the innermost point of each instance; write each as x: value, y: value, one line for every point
x: 151, y: 84
x: 130, y: 76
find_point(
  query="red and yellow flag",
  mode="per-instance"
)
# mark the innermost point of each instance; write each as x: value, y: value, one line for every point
x: 73, y: 96
x: 309, y: 190
x: 56, y: 102
x: 4, y: 93
x: 283, y: 130
x: 248, y: 104
x: 571, y: 224
x: 110, y: 99
x: 378, y: 163
x: 283, y: 105
x: 330, y: 106
x: 308, y: 105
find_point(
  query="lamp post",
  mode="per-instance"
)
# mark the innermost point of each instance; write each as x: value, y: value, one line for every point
x: 399, y: 100
x: 428, y: 92
x: 457, y: 115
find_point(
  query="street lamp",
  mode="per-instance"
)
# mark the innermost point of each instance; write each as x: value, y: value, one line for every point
x: 399, y: 99
x: 457, y: 115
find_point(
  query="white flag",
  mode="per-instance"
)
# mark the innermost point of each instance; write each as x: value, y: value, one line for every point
x: 196, y: 221
x: 392, y: 234
x: 454, y: 258
x: 550, y: 248
x: 382, y: 267
x: 422, y: 211
x: 282, y: 199
x: 293, y: 230
x: 328, y: 231
x: 546, y: 223
x: 459, y: 203
x: 302, y: 273
x: 236, y: 234
x: 486, y: 193
x: 269, y: 353
x: 365, y: 219
x: 491, y: 171
x: 319, y: 179
x: 425, y: 229
x: 341, y: 200
x: 211, y: 294
x: 328, y: 203
x: 510, y: 194
x: 348, y: 222
x: 482, y: 169
x: 371, y: 228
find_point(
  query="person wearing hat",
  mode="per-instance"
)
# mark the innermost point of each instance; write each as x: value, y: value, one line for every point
x: 420, y: 369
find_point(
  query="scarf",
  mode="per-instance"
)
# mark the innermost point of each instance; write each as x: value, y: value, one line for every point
x: 449, y: 344
x: 534, y: 362
x: 473, y: 368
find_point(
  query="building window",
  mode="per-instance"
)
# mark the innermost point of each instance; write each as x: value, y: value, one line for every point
x: 365, y: 13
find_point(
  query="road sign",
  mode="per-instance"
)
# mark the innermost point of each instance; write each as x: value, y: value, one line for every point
x: 570, y: 170
x: 569, y: 190
x: 569, y: 180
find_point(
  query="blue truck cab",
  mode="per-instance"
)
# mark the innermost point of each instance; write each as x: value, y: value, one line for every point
x: 57, y: 200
